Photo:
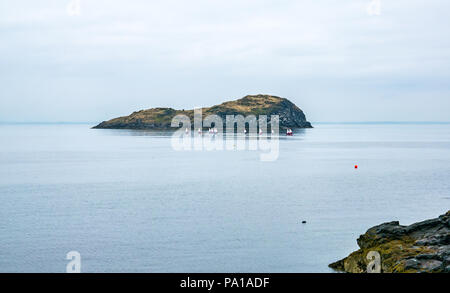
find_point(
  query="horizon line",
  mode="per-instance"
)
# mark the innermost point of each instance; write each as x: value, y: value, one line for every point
x: 312, y: 122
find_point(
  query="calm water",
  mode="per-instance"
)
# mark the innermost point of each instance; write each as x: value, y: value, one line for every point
x: 129, y: 203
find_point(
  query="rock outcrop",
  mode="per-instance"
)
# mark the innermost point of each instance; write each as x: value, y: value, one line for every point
x: 420, y: 247
x: 290, y: 116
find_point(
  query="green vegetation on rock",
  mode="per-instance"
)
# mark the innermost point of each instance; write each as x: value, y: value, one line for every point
x: 160, y: 118
x: 420, y: 247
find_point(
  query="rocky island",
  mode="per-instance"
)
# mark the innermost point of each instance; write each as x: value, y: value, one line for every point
x: 160, y: 118
x: 420, y: 247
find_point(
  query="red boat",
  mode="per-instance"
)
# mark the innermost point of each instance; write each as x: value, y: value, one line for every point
x: 289, y: 132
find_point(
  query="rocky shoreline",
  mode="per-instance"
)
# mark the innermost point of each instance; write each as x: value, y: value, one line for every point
x: 420, y: 247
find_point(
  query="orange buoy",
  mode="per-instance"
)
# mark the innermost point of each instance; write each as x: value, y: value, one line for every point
x: 356, y: 166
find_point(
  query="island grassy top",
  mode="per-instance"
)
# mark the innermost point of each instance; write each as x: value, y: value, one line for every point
x: 160, y: 118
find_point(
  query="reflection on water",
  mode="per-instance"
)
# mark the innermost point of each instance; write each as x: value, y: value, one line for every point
x: 298, y: 133
x: 128, y: 202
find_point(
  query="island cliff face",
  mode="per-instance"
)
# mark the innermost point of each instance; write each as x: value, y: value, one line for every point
x: 420, y: 247
x: 160, y: 118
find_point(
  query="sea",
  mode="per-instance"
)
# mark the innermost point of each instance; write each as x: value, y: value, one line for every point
x: 128, y: 201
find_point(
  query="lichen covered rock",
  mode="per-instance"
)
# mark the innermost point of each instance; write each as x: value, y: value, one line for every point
x: 420, y: 247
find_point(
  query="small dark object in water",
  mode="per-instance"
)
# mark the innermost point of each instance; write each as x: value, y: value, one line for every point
x: 303, y: 222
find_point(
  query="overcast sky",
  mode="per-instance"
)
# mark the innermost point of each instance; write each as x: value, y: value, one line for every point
x: 338, y: 60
